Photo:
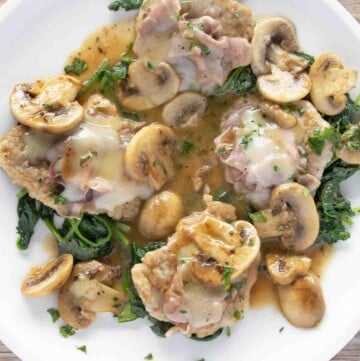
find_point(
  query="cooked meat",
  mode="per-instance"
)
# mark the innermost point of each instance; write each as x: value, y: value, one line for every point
x: 235, y: 18
x: 263, y: 146
x: 203, y: 47
x: 183, y: 282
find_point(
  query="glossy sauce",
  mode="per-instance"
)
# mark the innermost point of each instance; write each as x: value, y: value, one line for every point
x: 110, y: 42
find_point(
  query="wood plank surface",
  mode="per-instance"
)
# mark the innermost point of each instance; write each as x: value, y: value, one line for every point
x: 352, y: 351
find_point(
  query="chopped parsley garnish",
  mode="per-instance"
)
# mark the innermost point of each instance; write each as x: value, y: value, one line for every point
x: 241, y: 81
x: 281, y: 329
x: 77, y: 67
x: 127, y: 5
x: 182, y: 261
x: 47, y: 106
x: 82, y: 348
x: 199, y: 26
x: 60, y: 200
x: 226, y: 277
x: 222, y: 195
x: 149, y: 65
x: 55, y: 315
x: 67, y: 331
x: 251, y: 242
x: 131, y: 116
x: 176, y: 16
x: 228, y: 331
x: 239, y: 315
x: 148, y: 357
x: 258, y: 217
x: 203, y: 48
x: 305, y: 56
x: 246, y: 140
x: 276, y: 168
x: 239, y: 285
x: 319, y: 138
x: 186, y: 147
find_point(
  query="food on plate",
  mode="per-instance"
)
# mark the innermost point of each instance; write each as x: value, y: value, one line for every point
x: 198, y: 152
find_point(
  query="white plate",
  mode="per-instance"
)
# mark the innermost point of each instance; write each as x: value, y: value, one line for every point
x: 35, y: 38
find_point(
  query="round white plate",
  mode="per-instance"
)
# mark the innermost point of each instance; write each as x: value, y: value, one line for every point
x: 35, y: 38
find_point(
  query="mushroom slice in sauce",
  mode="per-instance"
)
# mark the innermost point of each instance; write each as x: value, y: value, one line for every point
x: 148, y: 156
x: 200, y: 300
x: 89, y: 290
x: 292, y: 217
x: 331, y: 82
x: 48, y: 106
x: 285, y: 269
x: 302, y: 302
x: 148, y: 87
x: 185, y: 110
x: 48, y: 278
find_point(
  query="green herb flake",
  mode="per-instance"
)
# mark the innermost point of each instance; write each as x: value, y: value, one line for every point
x: 148, y: 357
x: 182, y: 261
x: 251, y: 242
x: 258, y: 217
x: 47, y: 106
x: 55, y: 315
x: 228, y: 331
x: 67, y: 331
x: 239, y: 315
x: 306, y: 192
x: 239, y: 285
x: 226, y: 277
x: 186, y: 147
x: 199, y: 26
x: 246, y: 140
x: 281, y: 329
x: 77, y: 67
x: 60, y: 200
x: 276, y: 168
x: 223, y: 195
x: 319, y: 138
x: 82, y: 348
x: 149, y: 65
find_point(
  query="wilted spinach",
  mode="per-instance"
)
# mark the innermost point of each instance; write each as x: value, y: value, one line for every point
x: 125, y: 4
x: 241, y: 81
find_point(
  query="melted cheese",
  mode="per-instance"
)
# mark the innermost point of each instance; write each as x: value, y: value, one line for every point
x: 94, y: 160
x: 270, y: 150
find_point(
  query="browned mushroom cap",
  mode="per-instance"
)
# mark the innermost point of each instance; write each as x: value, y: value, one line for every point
x: 89, y: 291
x: 292, y: 216
x: 160, y: 215
x: 273, y: 30
x: 147, y: 88
x: 330, y: 84
x: 302, y: 302
x: 285, y: 269
x: 222, y: 245
x: 148, y: 157
x: 48, y: 278
x: 49, y: 105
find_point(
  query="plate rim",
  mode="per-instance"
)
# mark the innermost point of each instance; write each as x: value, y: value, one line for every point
x: 22, y: 351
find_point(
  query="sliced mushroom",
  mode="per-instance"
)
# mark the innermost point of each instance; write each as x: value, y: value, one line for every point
x: 148, y: 157
x: 284, y: 87
x: 49, y: 105
x: 273, y: 30
x: 331, y: 82
x: 280, y: 116
x: 89, y: 291
x: 48, y: 278
x: 292, y: 216
x: 185, y: 110
x: 148, y: 87
x: 160, y: 215
x: 302, y: 302
x: 285, y: 269
x: 348, y: 156
x: 222, y: 245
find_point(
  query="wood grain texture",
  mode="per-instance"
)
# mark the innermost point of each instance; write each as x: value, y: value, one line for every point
x: 352, y: 351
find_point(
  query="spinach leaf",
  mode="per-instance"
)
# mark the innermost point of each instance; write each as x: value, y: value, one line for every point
x: 319, y: 138
x: 334, y: 208
x: 87, y: 238
x: 346, y: 118
x: 77, y: 67
x: 241, y: 81
x: 160, y: 327
x: 95, y: 77
x: 28, y: 216
x: 125, y: 4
